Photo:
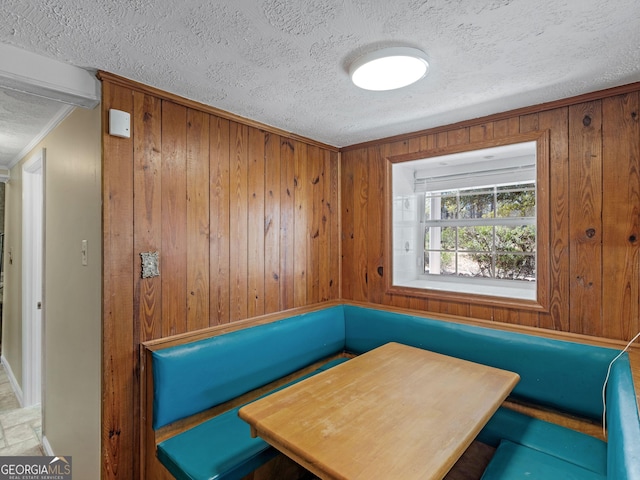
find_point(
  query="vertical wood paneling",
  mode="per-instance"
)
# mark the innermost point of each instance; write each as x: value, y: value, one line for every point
x: 287, y: 229
x: 480, y: 133
x: 147, y: 166
x: 333, y: 203
x: 239, y: 212
x: 301, y: 224
x: 314, y: 214
x: 349, y: 282
x: 245, y: 221
x: 147, y: 177
x: 272, y: 223
x: 528, y: 123
x: 173, y: 256
x: 119, y: 356
x: 557, y: 123
x: 155, y: 197
x: 376, y: 207
x: 459, y: 136
x: 256, y: 223
x: 360, y: 221
x: 414, y: 144
x: 326, y: 227
x: 592, y: 283
x: 506, y: 128
x: 621, y: 215
x: 219, y: 222
x: 197, y: 220
x: 585, y: 213
x: 481, y: 312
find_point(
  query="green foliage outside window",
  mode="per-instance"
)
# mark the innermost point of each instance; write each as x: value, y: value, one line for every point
x: 496, y: 251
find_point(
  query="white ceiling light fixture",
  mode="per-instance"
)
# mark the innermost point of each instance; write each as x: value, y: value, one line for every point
x: 389, y: 68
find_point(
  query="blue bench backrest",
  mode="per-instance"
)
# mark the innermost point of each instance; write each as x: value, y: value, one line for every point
x: 564, y: 375
x: 623, y: 424
x: 193, y: 377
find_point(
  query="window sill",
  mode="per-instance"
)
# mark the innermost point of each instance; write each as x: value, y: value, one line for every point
x: 493, y: 288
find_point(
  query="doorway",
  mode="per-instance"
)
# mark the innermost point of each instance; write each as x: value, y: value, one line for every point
x: 32, y: 294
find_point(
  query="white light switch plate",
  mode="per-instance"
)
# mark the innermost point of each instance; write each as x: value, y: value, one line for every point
x: 85, y: 248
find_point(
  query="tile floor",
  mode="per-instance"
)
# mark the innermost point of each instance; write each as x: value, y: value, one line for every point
x: 20, y: 428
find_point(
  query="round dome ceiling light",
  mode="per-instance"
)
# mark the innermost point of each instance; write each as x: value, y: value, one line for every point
x: 389, y: 68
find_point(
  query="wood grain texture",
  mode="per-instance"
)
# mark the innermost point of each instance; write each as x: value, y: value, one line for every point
x: 585, y: 216
x: 347, y: 221
x: 360, y: 252
x: 556, y: 122
x: 256, y: 223
x: 216, y: 112
x: 173, y: 257
x: 301, y: 222
x: 460, y: 303
x: 334, y: 209
x: 376, y: 205
x: 287, y: 223
x: 239, y: 212
x: 507, y: 122
x: 621, y: 215
x: 591, y: 279
x: 327, y: 227
x: 147, y: 178
x: 136, y: 182
x: 120, y: 402
x: 272, y: 212
x: 217, y: 199
x: 219, y: 221
x: 316, y: 231
x: 366, y: 418
x: 197, y: 288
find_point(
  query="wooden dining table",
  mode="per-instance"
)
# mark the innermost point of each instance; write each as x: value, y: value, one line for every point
x: 395, y: 412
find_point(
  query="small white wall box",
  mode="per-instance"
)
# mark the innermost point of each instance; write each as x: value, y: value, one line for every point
x: 119, y: 123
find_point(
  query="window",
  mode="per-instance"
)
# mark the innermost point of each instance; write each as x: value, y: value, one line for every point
x: 467, y: 222
x: 487, y: 232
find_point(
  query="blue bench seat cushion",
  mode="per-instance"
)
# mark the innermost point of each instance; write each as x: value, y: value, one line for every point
x: 568, y: 445
x: 563, y: 375
x: 516, y: 462
x: 239, y: 361
x: 623, y: 423
x: 222, y: 447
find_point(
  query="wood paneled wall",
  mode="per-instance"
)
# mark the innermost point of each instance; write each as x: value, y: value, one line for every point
x: 595, y: 214
x: 251, y: 220
x: 246, y: 221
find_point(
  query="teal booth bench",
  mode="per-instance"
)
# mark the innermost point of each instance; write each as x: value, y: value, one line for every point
x: 193, y: 377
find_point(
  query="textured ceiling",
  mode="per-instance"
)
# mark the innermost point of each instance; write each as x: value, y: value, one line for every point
x: 22, y: 118
x: 285, y: 62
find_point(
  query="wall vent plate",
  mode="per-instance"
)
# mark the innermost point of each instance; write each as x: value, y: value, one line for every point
x: 119, y: 123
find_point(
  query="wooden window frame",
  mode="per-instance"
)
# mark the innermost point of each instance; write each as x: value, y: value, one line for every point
x: 543, y: 218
